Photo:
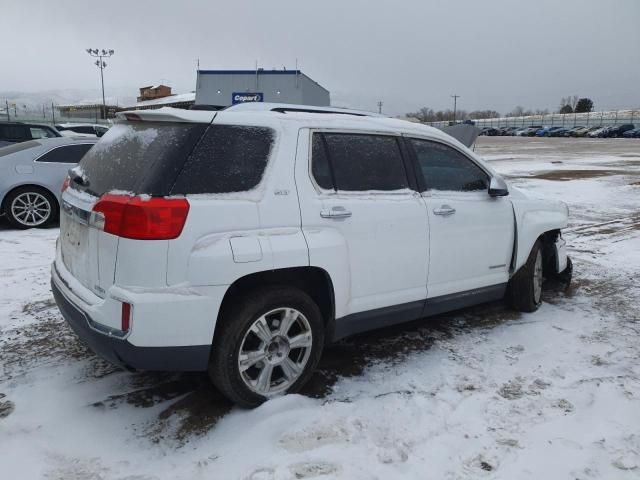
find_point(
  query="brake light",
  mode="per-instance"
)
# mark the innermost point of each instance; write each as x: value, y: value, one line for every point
x: 155, y: 218
x: 125, y: 321
x: 133, y: 117
x: 66, y: 183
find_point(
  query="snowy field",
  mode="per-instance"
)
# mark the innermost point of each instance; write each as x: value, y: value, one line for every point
x: 484, y: 393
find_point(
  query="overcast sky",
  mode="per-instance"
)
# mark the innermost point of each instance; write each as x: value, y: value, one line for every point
x: 493, y: 53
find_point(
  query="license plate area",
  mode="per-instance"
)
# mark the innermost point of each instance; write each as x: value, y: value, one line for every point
x: 74, y: 243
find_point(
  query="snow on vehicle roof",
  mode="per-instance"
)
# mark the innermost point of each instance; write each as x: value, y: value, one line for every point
x: 67, y: 140
x: 67, y: 125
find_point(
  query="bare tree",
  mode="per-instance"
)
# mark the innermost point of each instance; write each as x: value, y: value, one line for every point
x: 425, y: 114
x: 484, y: 114
x: 516, y: 112
x: 573, y: 101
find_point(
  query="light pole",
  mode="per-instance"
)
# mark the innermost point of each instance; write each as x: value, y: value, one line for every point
x: 455, y: 102
x: 101, y: 64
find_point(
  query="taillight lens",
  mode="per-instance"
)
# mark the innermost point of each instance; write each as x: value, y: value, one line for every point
x: 66, y: 183
x: 139, y: 218
x: 125, y: 319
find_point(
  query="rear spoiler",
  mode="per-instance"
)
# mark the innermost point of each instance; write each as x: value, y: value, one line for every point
x: 464, y: 133
x: 167, y: 114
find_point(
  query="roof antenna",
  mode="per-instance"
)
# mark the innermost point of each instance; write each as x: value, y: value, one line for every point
x: 256, y: 75
x: 198, y: 74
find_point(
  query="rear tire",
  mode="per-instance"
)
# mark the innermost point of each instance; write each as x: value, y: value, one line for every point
x: 525, y: 287
x: 254, y: 355
x: 30, y: 207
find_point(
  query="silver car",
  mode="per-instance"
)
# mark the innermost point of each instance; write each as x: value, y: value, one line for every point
x: 31, y: 178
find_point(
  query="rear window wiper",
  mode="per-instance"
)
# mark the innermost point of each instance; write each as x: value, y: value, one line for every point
x: 78, y: 178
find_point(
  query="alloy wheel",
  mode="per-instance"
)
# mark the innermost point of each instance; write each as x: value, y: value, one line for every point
x: 31, y: 209
x: 275, y: 350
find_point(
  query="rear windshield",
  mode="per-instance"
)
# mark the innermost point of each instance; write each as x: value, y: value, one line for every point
x: 142, y: 157
x: 175, y: 158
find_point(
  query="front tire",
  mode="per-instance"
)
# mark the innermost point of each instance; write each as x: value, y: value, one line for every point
x: 525, y: 287
x: 268, y: 344
x: 30, y: 207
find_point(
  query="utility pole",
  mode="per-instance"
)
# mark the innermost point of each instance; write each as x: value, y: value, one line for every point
x: 455, y: 104
x: 53, y: 113
x: 8, y: 114
x: 380, y: 106
x: 101, y: 64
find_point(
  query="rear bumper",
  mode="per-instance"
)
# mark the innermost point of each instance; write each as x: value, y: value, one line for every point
x: 122, y: 353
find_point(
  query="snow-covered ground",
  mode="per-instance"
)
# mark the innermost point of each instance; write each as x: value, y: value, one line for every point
x: 482, y: 393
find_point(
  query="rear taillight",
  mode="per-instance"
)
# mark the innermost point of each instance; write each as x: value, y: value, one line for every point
x: 125, y: 321
x: 139, y: 218
x: 66, y: 183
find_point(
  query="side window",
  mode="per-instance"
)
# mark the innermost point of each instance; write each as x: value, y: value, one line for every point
x: 445, y: 168
x: 66, y: 154
x: 228, y: 158
x: 320, y: 167
x: 362, y: 162
x: 83, y: 130
x: 37, y: 132
x: 13, y: 133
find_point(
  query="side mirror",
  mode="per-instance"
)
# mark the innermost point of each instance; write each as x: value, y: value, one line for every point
x: 498, y: 187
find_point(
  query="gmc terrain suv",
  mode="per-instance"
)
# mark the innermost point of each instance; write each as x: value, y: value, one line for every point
x: 240, y: 242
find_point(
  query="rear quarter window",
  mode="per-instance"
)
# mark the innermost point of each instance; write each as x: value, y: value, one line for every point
x: 66, y: 154
x: 229, y: 158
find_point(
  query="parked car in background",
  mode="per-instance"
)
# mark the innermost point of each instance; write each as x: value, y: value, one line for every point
x: 618, y: 130
x: 507, y: 131
x: 571, y: 131
x: 31, y: 177
x: 592, y: 129
x: 635, y: 133
x: 597, y: 132
x: 546, y: 131
x: 489, y: 131
x: 84, y: 128
x: 320, y: 231
x: 531, y: 131
x: 16, y: 132
x: 560, y: 132
x: 581, y: 132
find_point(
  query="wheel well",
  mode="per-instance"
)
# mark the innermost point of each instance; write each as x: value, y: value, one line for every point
x: 30, y: 185
x: 314, y: 281
x: 548, y: 240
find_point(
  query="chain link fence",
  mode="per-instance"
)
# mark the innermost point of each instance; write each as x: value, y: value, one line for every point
x: 591, y: 119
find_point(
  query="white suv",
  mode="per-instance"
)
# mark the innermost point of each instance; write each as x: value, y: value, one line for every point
x: 241, y: 242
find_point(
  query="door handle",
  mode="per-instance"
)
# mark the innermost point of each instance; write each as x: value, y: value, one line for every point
x: 444, y: 210
x: 335, y: 212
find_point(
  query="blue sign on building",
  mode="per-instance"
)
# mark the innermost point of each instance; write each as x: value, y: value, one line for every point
x: 243, y: 97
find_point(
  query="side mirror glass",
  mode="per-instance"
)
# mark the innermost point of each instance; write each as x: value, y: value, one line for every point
x: 498, y: 187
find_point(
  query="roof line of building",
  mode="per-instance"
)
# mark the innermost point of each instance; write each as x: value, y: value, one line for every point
x: 260, y: 71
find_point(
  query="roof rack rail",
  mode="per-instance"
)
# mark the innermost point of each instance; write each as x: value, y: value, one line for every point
x: 294, y: 108
x: 308, y: 110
